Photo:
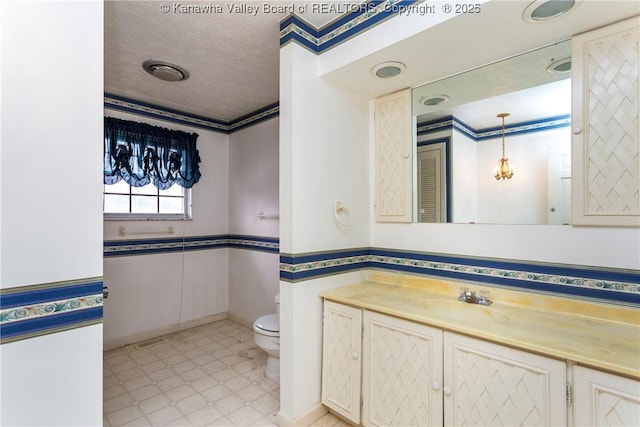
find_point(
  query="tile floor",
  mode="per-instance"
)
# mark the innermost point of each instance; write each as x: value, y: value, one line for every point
x: 212, y: 375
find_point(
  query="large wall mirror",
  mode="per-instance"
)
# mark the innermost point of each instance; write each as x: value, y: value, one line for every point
x: 461, y: 139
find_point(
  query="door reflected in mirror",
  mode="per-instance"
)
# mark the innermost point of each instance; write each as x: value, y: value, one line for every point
x: 461, y: 139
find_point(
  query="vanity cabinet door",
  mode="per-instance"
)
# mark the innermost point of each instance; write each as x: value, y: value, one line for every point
x: 492, y: 385
x: 402, y: 372
x: 341, y: 359
x: 602, y: 399
x: 394, y: 157
x: 605, y: 126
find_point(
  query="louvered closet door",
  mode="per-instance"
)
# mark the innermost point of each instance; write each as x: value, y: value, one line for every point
x: 602, y: 399
x: 341, y: 359
x: 492, y: 385
x: 402, y: 372
x: 431, y: 189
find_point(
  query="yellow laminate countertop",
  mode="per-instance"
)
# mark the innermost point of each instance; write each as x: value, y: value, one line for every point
x: 602, y: 336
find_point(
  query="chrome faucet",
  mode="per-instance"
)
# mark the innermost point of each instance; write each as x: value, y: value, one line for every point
x: 470, y: 296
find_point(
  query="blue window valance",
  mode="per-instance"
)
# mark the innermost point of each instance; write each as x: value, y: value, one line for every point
x: 140, y: 153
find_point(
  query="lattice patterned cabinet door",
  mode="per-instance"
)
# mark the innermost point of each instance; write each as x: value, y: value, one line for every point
x: 394, y: 157
x: 402, y: 372
x: 492, y: 385
x: 341, y: 359
x: 606, y: 126
x: 602, y: 399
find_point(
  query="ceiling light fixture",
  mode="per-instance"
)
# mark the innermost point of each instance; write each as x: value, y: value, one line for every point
x: 165, y: 71
x: 503, y: 171
x: 432, y: 100
x: 560, y: 65
x: 545, y: 10
x: 386, y: 70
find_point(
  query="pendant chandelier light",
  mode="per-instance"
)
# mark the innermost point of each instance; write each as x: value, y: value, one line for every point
x: 503, y: 171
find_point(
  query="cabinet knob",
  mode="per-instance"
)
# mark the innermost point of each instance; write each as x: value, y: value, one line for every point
x: 577, y: 130
x: 447, y: 390
x: 435, y: 385
x: 355, y: 355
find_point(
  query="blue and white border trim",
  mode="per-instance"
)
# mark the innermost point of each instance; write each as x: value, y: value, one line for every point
x: 129, y: 105
x: 255, y: 117
x: 613, y: 285
x: 295, y: 268
x: 31, y: 311
x: 432, y: 126
x: 255, y: 243
x: 354, y: 20
x: 113, y: 248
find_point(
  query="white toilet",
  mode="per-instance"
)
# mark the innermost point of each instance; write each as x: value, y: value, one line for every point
x: 267, y: 336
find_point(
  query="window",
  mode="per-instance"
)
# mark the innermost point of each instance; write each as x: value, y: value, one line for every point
x: 122, y: 200
x: 148, y: 170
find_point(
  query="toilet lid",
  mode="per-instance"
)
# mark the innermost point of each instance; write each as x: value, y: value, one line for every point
x: 269, y: 323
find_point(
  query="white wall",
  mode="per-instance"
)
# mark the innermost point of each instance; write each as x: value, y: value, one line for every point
x: 53, y: 380
x: 523, y: 198
x: 51, y: 218
x: 324, y: 157
x: 149, y: 293
x: 253, y: 188
x: 464, y: 167
x: 50, y: 174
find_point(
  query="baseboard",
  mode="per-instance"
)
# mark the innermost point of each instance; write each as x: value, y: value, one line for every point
x: 147, y: 335
x: 305, y: 420
x: 240, y: 320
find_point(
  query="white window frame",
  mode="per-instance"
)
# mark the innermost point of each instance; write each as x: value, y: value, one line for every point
x: 146, y: 216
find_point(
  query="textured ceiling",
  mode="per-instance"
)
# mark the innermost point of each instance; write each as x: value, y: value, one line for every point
x: 232, y: 56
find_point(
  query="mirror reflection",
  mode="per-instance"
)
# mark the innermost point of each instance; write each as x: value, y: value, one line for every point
x: 461, y: 173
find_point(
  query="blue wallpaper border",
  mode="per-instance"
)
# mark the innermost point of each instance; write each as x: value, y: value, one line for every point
x: 548, y: 123
x: 40, y: 326
x: 611, y: 285
x: 116, y: 248
x: 355, y: 20
x: 129, y: 105
x: 37, y: 310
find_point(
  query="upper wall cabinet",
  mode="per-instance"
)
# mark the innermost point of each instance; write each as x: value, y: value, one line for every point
x: 394, y: 159
x: 605, y: 126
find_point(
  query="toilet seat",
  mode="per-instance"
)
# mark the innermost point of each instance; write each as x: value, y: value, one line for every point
x: 268, y: 325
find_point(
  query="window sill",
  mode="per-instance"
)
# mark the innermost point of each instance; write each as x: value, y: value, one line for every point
x: 144, y: 217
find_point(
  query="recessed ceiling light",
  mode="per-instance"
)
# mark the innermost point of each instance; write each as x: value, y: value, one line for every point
x: 545, y: 10
x: 165, y: 71
x: 434, y: 100
x: 560, y: 66
x: 388, y: 69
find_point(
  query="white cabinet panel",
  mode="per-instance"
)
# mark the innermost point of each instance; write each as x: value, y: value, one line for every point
x: 394, y: 157
x: 492, y: 385
x: 402, y: 372
x: 602, y: 399
x: 605, y: 126
x: 341, y: 359
x: 416, y: 375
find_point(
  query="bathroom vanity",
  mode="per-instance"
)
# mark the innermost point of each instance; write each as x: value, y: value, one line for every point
x: 403, y: 350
